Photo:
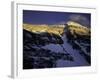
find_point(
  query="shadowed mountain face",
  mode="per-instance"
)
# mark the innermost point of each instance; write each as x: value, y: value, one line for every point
x: 51, y: 46
x: 35, y: 56
x: 80, y: 38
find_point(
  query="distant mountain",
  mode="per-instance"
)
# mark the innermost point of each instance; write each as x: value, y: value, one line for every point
x: 74, y: 27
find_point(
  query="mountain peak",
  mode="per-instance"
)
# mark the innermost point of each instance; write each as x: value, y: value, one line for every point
x: 73, y: 23
x: 78, y: 28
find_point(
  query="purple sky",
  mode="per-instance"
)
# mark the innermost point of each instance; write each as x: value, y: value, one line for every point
x: 48, y: 17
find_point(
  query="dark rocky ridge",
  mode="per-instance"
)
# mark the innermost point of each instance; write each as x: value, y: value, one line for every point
x: 34, y: 56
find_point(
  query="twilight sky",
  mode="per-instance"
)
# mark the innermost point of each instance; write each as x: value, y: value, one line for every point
x: 48, y: 17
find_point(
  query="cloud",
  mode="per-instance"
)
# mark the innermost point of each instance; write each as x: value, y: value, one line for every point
x: 80, y: 19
